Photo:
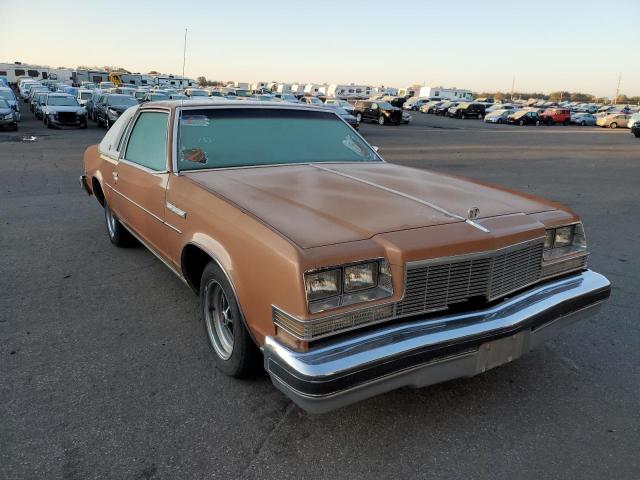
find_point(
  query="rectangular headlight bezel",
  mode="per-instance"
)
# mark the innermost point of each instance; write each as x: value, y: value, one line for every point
x: 561, y: 257
x: 382, y: 287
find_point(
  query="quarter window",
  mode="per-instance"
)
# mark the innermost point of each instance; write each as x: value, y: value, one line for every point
x: 147, y: 144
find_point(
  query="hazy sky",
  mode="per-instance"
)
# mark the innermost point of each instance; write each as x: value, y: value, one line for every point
x: 546, y: 45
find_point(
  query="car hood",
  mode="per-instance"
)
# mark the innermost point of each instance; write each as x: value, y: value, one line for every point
x: 119, y: 108
x: 6, y: 111
x: 58, y: 109
x: 322, y: 204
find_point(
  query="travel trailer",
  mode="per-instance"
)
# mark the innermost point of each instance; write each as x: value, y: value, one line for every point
x: 445, y: 93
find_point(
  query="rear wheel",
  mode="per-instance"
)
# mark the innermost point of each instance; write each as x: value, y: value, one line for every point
x: 583, y: 123
x: 235, y: 353
x: 381, y: 120
x: 521, y: 123
x: 359, y: 117
x: 480, y: 116
x: 613, y: 125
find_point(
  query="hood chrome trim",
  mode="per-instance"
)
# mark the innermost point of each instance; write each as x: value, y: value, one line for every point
x: 401, y: 194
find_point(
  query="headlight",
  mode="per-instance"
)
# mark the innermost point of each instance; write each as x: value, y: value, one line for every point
x: 9, y: 117
x: 112, y: 112
x: 565, y: 249
x: 348, y: 285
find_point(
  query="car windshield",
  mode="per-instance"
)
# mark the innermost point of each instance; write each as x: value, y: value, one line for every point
x: 124, y: 100
x: 85, y: 95
x: 62, y: 101
x: 199, y: 93
x: 385, y: 105
x: 237, y: 137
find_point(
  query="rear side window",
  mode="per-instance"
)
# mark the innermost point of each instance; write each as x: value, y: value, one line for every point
x: 147, y: 144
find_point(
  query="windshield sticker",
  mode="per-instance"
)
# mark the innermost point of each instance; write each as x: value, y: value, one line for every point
x: 195, y: 155
x: 353, y: 146
x: 195, y: 120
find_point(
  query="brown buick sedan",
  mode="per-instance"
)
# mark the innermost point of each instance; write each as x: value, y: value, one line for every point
x: 346, y: 275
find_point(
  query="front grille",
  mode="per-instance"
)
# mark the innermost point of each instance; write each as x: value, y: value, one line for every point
x: 67, y: 117
x: 436, y: 285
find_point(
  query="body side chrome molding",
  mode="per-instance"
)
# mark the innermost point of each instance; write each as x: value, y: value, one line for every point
x: 181, y: 213
x: 404, y: 195
x: 143, y: 209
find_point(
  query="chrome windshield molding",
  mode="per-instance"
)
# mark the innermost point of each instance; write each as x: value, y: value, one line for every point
x: 262, y: 105
x: 431, y: 350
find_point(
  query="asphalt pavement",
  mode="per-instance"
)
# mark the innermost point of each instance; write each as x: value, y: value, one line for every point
x: 106, y: 372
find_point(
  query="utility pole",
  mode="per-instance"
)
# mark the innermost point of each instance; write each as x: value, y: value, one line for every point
x: 615, y: 100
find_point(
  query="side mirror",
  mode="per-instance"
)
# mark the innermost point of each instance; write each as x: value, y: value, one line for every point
x: 375, y: 148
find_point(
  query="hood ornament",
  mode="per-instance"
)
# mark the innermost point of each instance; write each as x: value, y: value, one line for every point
x: 473, y: 213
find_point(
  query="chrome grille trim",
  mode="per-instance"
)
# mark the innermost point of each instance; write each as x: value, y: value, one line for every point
x: 435, y: 284
x: 490, y: 274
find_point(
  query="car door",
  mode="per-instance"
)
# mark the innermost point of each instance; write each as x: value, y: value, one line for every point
x: 371, y: 112
x: 140, y: 179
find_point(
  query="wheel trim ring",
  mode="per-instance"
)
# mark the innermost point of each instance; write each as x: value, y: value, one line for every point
x: 219, y: 325
x: 111, y: 223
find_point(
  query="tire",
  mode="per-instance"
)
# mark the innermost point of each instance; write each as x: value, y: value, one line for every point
x: 381, y: 120
x: 480, y: 116
x: 637, y: 134
x: 537, y: 123
x: 549, y: 122
x: 583, y: 123
x: 463, y: 116
x: 107, y: 123
x: 522, y: 123
x: 118, y: 235
x: 613, y: 125
x: 565, y: 123
x: 500, y: 121
x: 359, y: 117
x: 235, y: 353
x: 48, y: 124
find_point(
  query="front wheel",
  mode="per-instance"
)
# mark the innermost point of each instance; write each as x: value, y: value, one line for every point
x: 359, y: 117
x: 583, y: 123
x: 521, y: 123
x: 235, y: 353
x: 118, y: 235
x: 613, y: 125
x: 381, y: 120
x: 480, y: 116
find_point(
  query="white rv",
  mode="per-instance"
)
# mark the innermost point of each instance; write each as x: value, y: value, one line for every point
x: 297, y: 88
x: 345, y: 92
x: 15, y: 70
x: 314, y: 89
x: 283, y: 88
x: 93, y: 76
x: 446, y: 93
x: 173, y: 81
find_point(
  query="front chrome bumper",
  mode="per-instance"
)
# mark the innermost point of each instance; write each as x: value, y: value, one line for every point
x: 431, y: 350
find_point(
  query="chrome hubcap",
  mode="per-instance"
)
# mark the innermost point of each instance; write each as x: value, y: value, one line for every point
x: 111, y: 222
x: 218, y: 319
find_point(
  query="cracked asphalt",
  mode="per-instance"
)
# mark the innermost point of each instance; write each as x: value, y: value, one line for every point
x: 106, y: 372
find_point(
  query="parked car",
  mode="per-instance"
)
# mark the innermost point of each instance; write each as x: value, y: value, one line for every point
x: 178, y: 96
x: 84, y: 94
x: 614, y: 120
x: 524, y: 117
x: 8, y: 116
x: 344, y: 243
x: 341, y: 103
x: 38, y: 105
x: 8, y: 96
x: 633, y: 119
x: 287, y: 97
x: 551, y: 116
x: 154, y: 96
x: 444, y: 107
x: 498, y: 116
x: 584, y: 119
x: 467, y: 110
x: 430, y: 107
x: 63, y: 110
x: 380, y: 112
x: 414, y: 103
x: 33, y: 92
x: 111, y: 106
x: 311, y: 100
x: 196, y: 92
x: 345, y: 115
x: 635, y: 129
x: 92, y: 102
x: 500, y: 106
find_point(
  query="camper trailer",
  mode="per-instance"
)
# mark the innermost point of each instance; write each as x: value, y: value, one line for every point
x: 93, y: 76
x: 12, y: 71
x: 445, y: 93
x: 345, y: 92
x: 173, y: 81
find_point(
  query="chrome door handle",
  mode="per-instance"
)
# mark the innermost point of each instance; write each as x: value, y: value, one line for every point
x: 114, y: 175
